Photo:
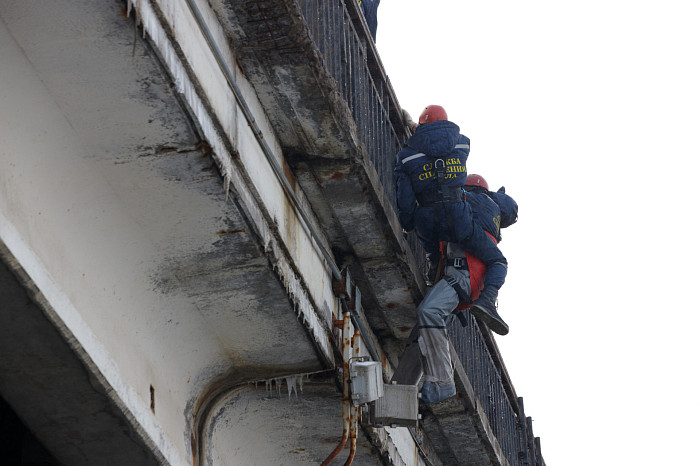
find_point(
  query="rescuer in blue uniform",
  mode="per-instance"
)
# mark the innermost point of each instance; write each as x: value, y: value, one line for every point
x: 492, y: 210
x: 430, y: 173
x: 461, y: 283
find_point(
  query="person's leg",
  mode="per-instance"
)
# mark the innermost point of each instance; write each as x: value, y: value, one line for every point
x: 410, y: 368
x: 487, y: 251
x: 484, y: 249
x: 433, y: 313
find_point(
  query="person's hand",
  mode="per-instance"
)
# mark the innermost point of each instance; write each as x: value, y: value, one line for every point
x: 502, y: 190
x: 412, y: 125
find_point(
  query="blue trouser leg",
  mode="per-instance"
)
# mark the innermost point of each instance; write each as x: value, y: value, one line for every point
x: 484, y: 249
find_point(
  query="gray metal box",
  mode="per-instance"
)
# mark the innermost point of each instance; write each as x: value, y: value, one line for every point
x: 398, y: 406
x: 366, y: 381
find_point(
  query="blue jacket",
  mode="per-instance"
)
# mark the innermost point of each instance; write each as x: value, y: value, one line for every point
x: 492, y: 210
x: 414, y: 173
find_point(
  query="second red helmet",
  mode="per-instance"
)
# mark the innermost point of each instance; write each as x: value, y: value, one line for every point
x: 477, y: 180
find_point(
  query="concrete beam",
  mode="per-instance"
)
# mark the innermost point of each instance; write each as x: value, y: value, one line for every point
x: 54, y: 387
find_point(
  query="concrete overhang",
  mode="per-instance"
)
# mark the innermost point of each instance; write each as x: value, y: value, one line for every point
x: 157, y: 273
x: 271, y: 42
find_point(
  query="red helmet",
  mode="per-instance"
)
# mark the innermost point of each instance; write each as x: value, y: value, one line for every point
x: 432, y: 113
x: 477, y: 180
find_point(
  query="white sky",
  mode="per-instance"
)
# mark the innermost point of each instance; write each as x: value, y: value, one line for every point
x: 588, y: 113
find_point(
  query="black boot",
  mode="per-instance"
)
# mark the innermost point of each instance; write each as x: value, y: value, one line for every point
x: 484, y: 308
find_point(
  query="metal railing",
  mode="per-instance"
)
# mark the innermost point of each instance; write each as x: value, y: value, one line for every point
x: 485, y: 376
x: 338, y: 30
x: 347, y: 54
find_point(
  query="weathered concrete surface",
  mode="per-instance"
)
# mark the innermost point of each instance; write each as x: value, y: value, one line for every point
x: 268, y: 37
x: 458, y: 429
x: 445, y: 428
x: 272, y: 45
x: 119, y: 216
x: 272, y: 425
x: 40, y: 366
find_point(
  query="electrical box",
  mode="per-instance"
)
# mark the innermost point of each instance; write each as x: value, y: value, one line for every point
x: 365, y: 381
x: 398, y: 407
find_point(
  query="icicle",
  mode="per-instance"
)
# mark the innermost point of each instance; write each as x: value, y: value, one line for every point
x: 291, y: 385
x: 278, y: 382
x: 227, y: 183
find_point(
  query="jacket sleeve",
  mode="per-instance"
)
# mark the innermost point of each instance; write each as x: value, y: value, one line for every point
x: 464, y: 146
x: 507, y: 205
x: 405, y: 197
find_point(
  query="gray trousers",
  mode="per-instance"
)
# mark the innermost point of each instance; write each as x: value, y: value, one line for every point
x: 428, y: 341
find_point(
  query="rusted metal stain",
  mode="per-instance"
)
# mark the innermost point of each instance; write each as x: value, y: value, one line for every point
x: 289, y: 174
x: 230, y: 232
x: 203, y: 147
x: 336, y: 176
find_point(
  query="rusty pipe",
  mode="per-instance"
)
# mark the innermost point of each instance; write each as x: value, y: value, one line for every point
x: 338, y: 448
x: 353, y: 434
x: 354, y: 410
x: 347, y: 403
x: 357, y: 322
